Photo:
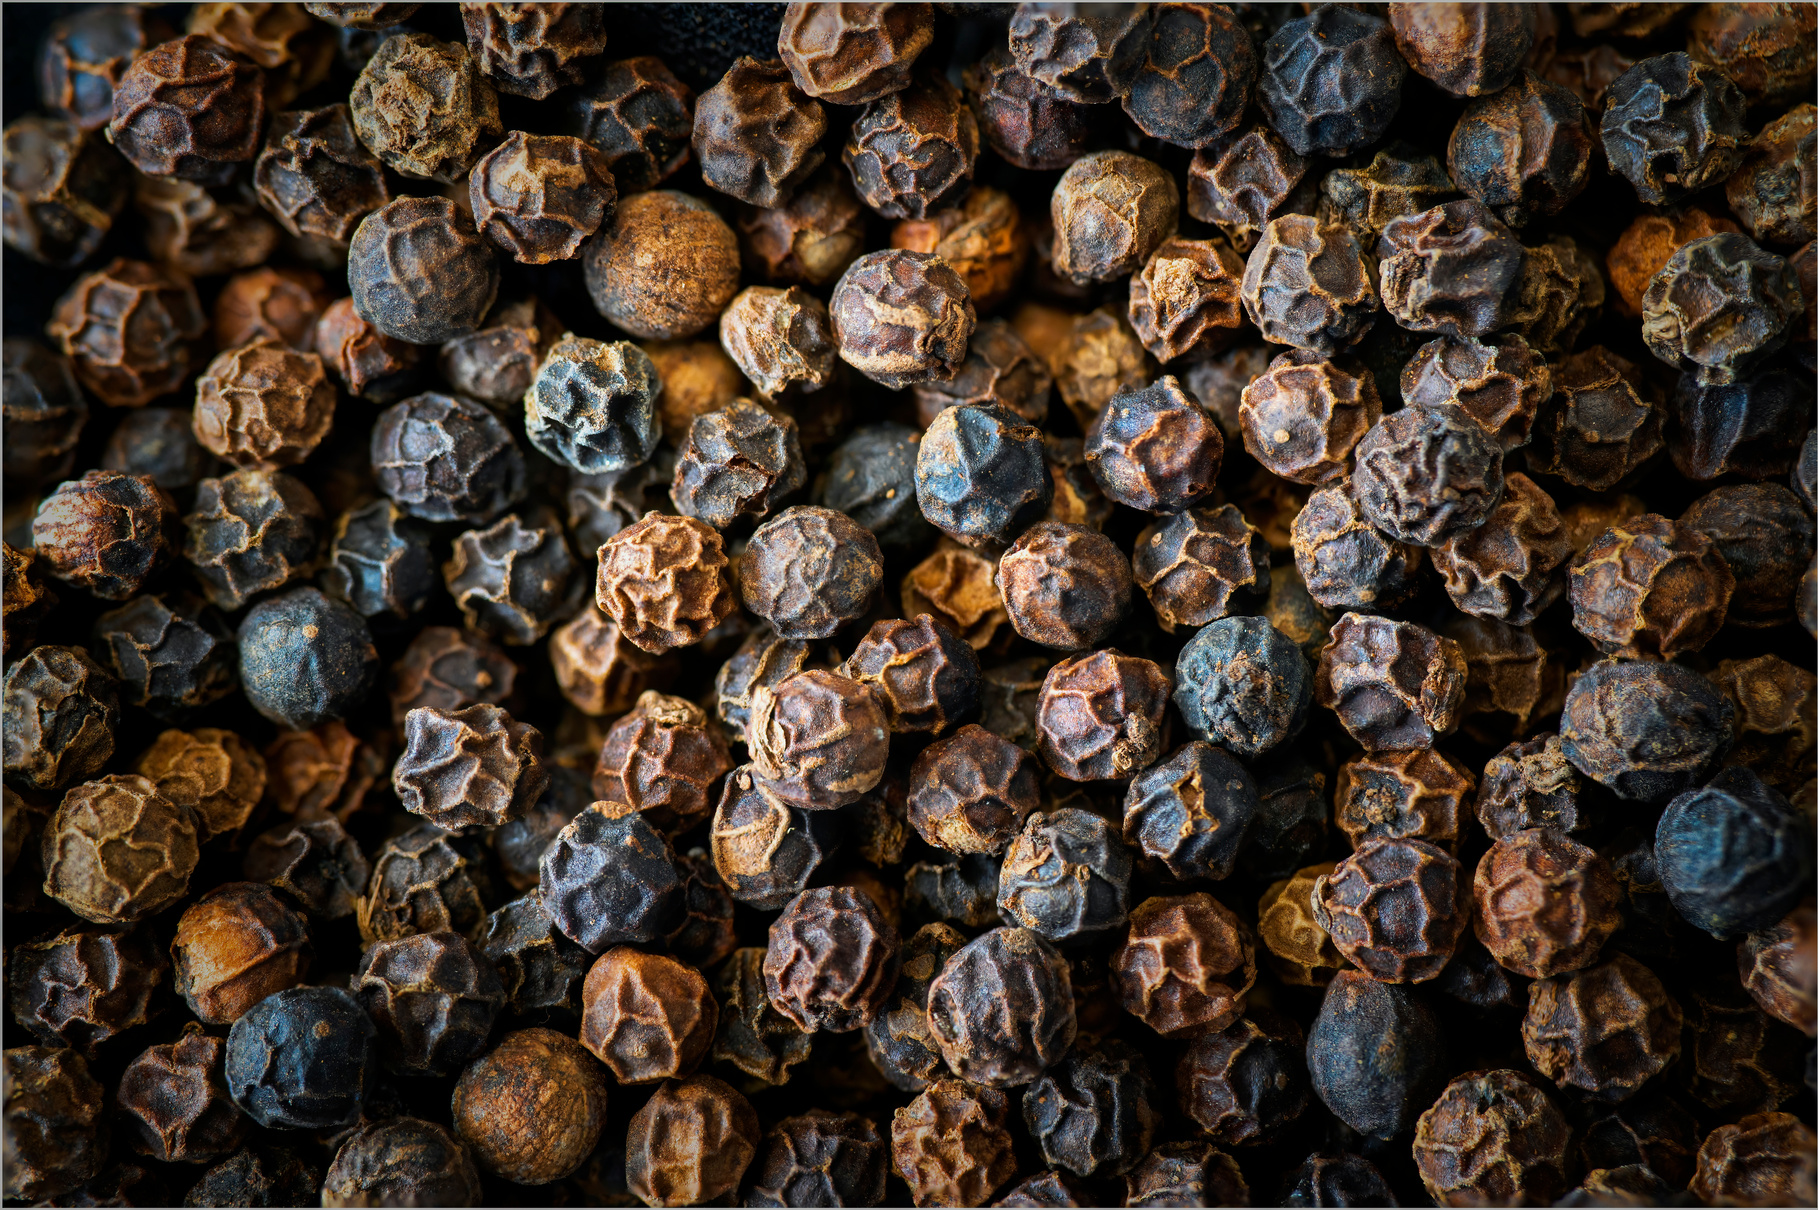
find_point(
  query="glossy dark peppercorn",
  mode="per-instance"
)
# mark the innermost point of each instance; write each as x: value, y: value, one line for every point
x: 82, y: 987
x: 1492, y: 1136
x: 898, y: 1039
x: 44, y: 413
x: 379, y: 561
x: 1672, y: 126
x: 1646, y: 730
x: 426, y: 881
x: 302, y: 1059
x: 420, y: 273
x: 610, y: 879
x: 819, y: 741
x: 962, y: 890
x: 531, y: 1109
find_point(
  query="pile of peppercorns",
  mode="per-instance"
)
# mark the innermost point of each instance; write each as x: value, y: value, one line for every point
x: 560, y: 648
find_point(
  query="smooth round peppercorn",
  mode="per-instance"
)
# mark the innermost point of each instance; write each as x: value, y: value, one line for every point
x: 1734, y: 856
x: 646, y: 1017
x: 1185, y: 967
x: 1001, y: 1010
x: 401, y: 1158
x: 1374, y: 1053
x: 305, y: 659
x: 667, y: 294
x: 1492, y: 1136
x: 1545, y: 903
x: 531, y: 1109
x: 1396, y: 907
x: 610, y: 879
x: 419, y: 272
x: 302, y: 1059
x: 1646, y: 730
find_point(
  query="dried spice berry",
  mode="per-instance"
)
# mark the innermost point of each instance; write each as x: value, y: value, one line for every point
x: 190, y: 108
x: 690, y: 1143
x: 1375, y: 1054
x: 673, y: 293
x: 902, y: 317
x: 1184, y: 302
x: 530, y: 50
x: 737, y: 460
x: 898, y: 1039
x: 302, y: 1059
x: 1602, y: 424
x: 1777, y: 965
x: 285, y: 304
x: 610, y: 880
x: 808, y: 571
x: 1002, y: 1009
x: 1193, y: 77
x: 1111, y: 212
x: 1186, y: 1174
x: 1201, y: 564
x: 970, y: 792
x: 325, y: 771
x: 1302, y: 417
x: 1186, y: 966
x: 294, y: 51
x: 251, y: 532
x: 1606, y: 1029
x: 468, y: 768
x: 81, y: 987
x: 521, y: 843
x: 236, y: 945
x: 1771, y: 191
x: 1646, y: 730
x: 1298, y: 951
x: 250, y: 1176
x: 450, y: 670
x: 1066, y: 877
x: 314, y: 176
x: 1064, y: 586
x: 663, y: 759
x: 781, y: 340
x: 982, y: 239
x: 1025, y: 122
x: 1650, y: 1130
x: 754, y: 1037
x: 190, y: 230
x: 540, y: 968
x: 1648, y: 243
x: 1343, y: 1178
x: 44, y: 414
x: 1761, y: 531
x: 1492, y: 1136
x: 126, y: 329
x: 1672, y: 126
x: 1427, y: 473
x: 1156, y: 449
x: 433, y: 998
x: 1500, y: 383
x: 1545, y: 903
x: 1331, y: 81
x: 532, y: 1108
x: 913, y: 151
x: 538, y: 196
x: 1396, y: 907
x: 511, y: 579
x: 1510, y: 567
x: 1097, y: 357
x: 1392, y: 684
x: 314, y: 861
x: 379, y: 561
x: 63, y: 190
x: 959, y: 588
x: 598, y: 670
x: 638, y: 116
x: 422, y: 106
x: 106, y: 533
x: 398, y: 1158
x: 820, y: 1158
x: 55, y: 1134
x: 1453, y: 270
x: 1000, y: 371
x: 1241, y: 683
x: 1241, y: 181
x: 664, y: 582
x: 757, y: 135
x: 174, y: 1103
x: 1418, y: 793
x: 1734, y: 856
x: 426, y: 881
x: 1650, y: 587
x: 646, y: 1017
x: 1192, y: 813
x: 1763, y: 1160
x: 1531, y: 784
x: 369, y: 363
x: 1092, y: 1114
x: 61, y: 712
x: 419, y: 271
x: 1748, y: 427
x: 951, y: 1144
x: 1308, y: 287
x: 925, y: 675
x: 116, y: 850
x: 263, y: 405
x: 1466, y: 49
x: 305, y: 659
x: 1102, y: 716
x: 851, y: 57
x: 813, y: 238
x: 85, y: 54
x: 1245, y: 1084
x: 1525, y: 152
x: 1719, y: 307
x: 831, y: 961
x: 981, y: 475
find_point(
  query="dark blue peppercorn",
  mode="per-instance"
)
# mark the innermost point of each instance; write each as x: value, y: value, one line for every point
x: 1331, y: 81
x: 381, y: 561
x: 1066, y: 876
x: 1375, y: 1054
x: 1094, y: 1113
x: 302, y: 1059
x: 305, y: 659
x: 610, y: 879
x: 444, y: 458
x: 1646, y: 730
x: 1734, y: 856
x: 981, y: 476
x: 871, y: 478
x: 1241, y: 683
x: 1192, y: 812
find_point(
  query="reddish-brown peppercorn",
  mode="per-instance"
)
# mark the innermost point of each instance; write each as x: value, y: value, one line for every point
x: 1102, y: 716
x: 1649, y: 587
x: 664, y: 758
x: 1605, y: 1029
x: 1392, y: 684
x: 191, y: 109
x: 263, y: 405
x: 1064, y: 586
x: 315, y: 177
x: 663, y: 581
x: 1418, y: 793
x: 280, y: 304
x: 832, y: 960
x: 530, y: 50
x: 982, y: 238
x: 819, y: 740
x: 1200, y: 565
x: 598, y: 670
x: 756, y: 134
x: 1492, y: 1138
x: 952, y: 1145
x: 1303, y: 416
x: 531, y: 1109
x: 326, y: 770
x: 970, y: 792
x: 1466, y: 49
x: 174, y: 1101
x: 1763, y: 1160
x: 1025, y: 122
x: 925, y: 675
x: 1501, y: 383
x: 1545, y: 903
x: 959, y: 588
x: 1779, y: 966
x: 1396, y: 907
x: 810, y: 240
x: 913, y: 151
x: 117, y: 850
x: 1510, y: 567
x: 1308, y: 286
x: 1097, y: 358
x: 1186, y: 965
x: 646, y: 1017
x: 691, y: 1143
x: 369, y: 363
x: 539, y: 196
x: 126, y: 329
x: 236, y: 945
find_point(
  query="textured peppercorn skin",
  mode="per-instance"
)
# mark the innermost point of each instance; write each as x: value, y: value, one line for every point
x: 1066, y: 877
x: 1185, y: 967
x: 1531, y: 785
x: 1242, y: 180
x: 1396, y: 907
x: 79, y: 987
x: 1419, y: 792
x: 1647, y: 730
x: 981, y: 476
x: 540, y: 969
x: 913, y: 151
x: 263, y: 405
x: 1545, y: 904
x: 639, y: 117
x: 236, y: 945
x: 305, y: 659
x: 426, y: 881
x: 690, y: 1143
x: 1426, y: 473
x: 1501, y: 383
x: 1088, y: 56
x: 174, y: 1104
x: 1111, y: 212
x: 1375, y: 1054
x: 423, y: 107
x: 810, y: 570
x: 610, y: 879
x: 646, y: 1017
x: 1734, y: 856
x: 1525, y: 152
x: 302, y: 1059
x: 1602, y: 424
x: 755, y: 1038
x: 1093, y: 1113
x: 1719, y: 307
x: 1493, y: 1137
x: 1001, y: 1010
x: 871, y: 478
x: 1467, y: 49
x: 433, y: 997
x: 250, y: 532
x: 538, y: 196
x: 1184, y: 302
x: 1193, y: 80
x: 315, y: 862
x: 1510, y: 567
x: 315, y: 177
x: 54, y: 1126
x: 663, y: 581
x: 106, y: 533
x: 1156, y: 449
x: 668, y: 296
x: 902, y: 317
x: 1102, y: 716
x: 116, y: 850
x: 832, y: 960
x: 819, y: 741
x: 1064, y: 586
x: 1247, y: 1083
x: 1748, y: 427
x: 1764, y: 1159
x: 61, y: 710
x: 820, y: 1158
x: 1241, y: 683
x: 1200, y: 564
x: 126, y: 329
x: 191, y: 109
x: 1672, y: 126
x: 757, y: 135
x: 1451, y: 270
x: 532, y: 1108
x: 1392, y: 684
x: 1776, y: 964
x: 419, y: 271
x: 925, y: 675
x: 1331, y: 81
x: 401, y: 1158
x: 1025, y: 122
x: 1192, y: 812
x: 951, y: 1146
x: 63, y: 193
x: 1649, y: 587
x: 466, y: 768
x: 1193, y: 1172
x: 1308, y: 286
x: 1606, y: 1029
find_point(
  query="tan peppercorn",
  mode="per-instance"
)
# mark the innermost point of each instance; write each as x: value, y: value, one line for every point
x: 691, y: 1143
x: 1766, y: 1159
x: 1186, y: 966
x: 263, y: 405
x: 1779, y: 966
x: 1545, y: 903
x: 1511, y: 567
x: 697, y: 378
x: 983, y: 238
x: 665, y: 267
x: 422, y: 106
x: 215, y: 773
x: 532, y: 1109
x: 117, y: 850
x: 1184, y: 304
x: 598, y: 670
x: 781, y: 339
x: 645, y: 1016
x: 1296, y: 948
x: 236, y: 945
x: 851, y: 54
x: 1111, y: 211
x: 951, y: 1144
x: 664, y: 582
x: 1492, y: 1138
x: 327, y: 770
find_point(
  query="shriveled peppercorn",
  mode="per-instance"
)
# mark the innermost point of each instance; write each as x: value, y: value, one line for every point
x: 1393, y: 684
x: 646, y: 1017
x: 61, y: 711
x: 423, y: 107
x: 609, y: 879
x: 1427, y: 473
x: 1111, y: 211
x: 1672, y: 126
x: 951, y: 1144
x: 175, y: 1104
x: 128, y: 365
x: 1241, y: 683
x: 1396, y: 907
x: 419, y: 272
x: 664, y: 583
x: 639, y: 117
x: 236, y: 945
x: 540, y: 969
x: 433, y: 998
x: 401, y: 1157
x: 663, y: 759
x: 1762, y: 1160
x: 1419, y: 793
x: 1331, y: 81
x: 53, y: 1122
x: 913, y: 151
x: 980, y: 474
x: 925, y: 675
x: 1492, y: 1136
x: 315, y: 177
x: 1101, y: 716
x: 754, y: 1036
x: 757, y: 134
x: 315, y: 861
x: 1186, y: 965
x: 530, y: 50
x: 691, y: 1142
x: 1002, y: 1008
x: 81, y: 987
x: 809, y: 571
x: 820, y: 1158
x: 1545, y: 903
x: 1719, y: 307
x: 426, y: 881
x: 1777, y: 964
x: 1606, y: 1029
x: 1650, y: 587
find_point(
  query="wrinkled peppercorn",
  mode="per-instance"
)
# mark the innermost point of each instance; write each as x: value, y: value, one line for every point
x: 1427, y: 473
x: 1396, y: 907
x: 1645, y: 730
x: 646, y: 1017
x: 83, y: 986
x: 664, y: 582
x: 926, y: 677
x: 425, y: 881
x: 174, y: 1101
x: 54, y: 1127
x: 1649, y: 586
x: 302, y: 1059
x: 190, y: 108
x: 127, y: 364
x: 1761, y: 531
x: 1418, y: 793
x: 808, y: 571
x: 236, y: 945
x: 757, y: 134
x: 1002, y: 1008
x: 951, y: 1144
x: 419, y: 272
x: 820, y: 1158
x: 315, y: 861
x: 1111, y: 211
x: 1241, y: 683
x: 1246, y: 1083
x: 639, y: 117
x: 540, y: 969
x: 980, y: 474
x: 1761, y: 1160
x: 422, y: 107
x: 1492, y: 1136
x: 1466, y: 49
x: 1672, y: 126
x: 1719, y: 307
x: 1734, y: 856
x: 1392, y: 684
x: 1776, y: 964
x: 510, y: 580
x: 61, y: 712
x: 1606, y: 1029
x: 1027, y: 123
x: 531, y: 50
x: 690, y: 1143
x: 609, y: 879
x: 1545, y: 903
x: 663, y: 759
x: 912, y: 151
x: 1066, y: 877
x: 1331, y: 81
x: 1767, y: 191
x: 1102, y: 716
x: 1186, y: 966
x: 1525, y: 152
x: 315, y: 177
x: 398, y: 1158
x: 433, y: 998
x: 539, y: 196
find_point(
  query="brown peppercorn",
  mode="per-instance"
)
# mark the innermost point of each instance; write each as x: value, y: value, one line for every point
x: 117, y: 850
x: 530, y: 50
x: 691, y: 1143
x: 1246, y: 1083
x: 1506, y: 670
x: 1603, y: 422
x: 1453, y: 270
x: 426, y: 881
x: 61, y: 712
x: 1028, y: 124
x: 639, y: 116
x: 295, y: 52
x: 1500, y: 383
x: 539, y: 196
x: 268, y: 303
x: 326, y: 770
x: 1427, y: 473
x: 756, y: 134
x: 1111, y: 211
x: 1103, y: 716
x: 902, y: 317
x: 540, y: 968
x: 1184, y: 302
x: 128, y: 364
x: 1392, y: 684
x: 401, y: 1158
x: 1065, y: 586
x: 189, y: 108
x: 664, y: 582
x: 598, y: 670
x: 190, y: 230
x: 1078, y: 500
x: 1511, y: 567
x: 819, y: 740
x: 83, y: 986
x: 821, y: 1158
x: 1650, y: 587
x: 1779, y: 967
x: 810, y: 240
x: 315, y: 177
x: 1098, y: 358
x: 952, y: 1145
x: 531, y: 1109
x: 999, y: 370
x: 252, y: 531
x: 1299, y: 951
x: 63, y: 190
x: 468, y: 768
x: 1245, y: 179
x: 1396, y: 907
x: 55, y: 1134
x: 646, y: 1017
x: 664, y: 759
x: 1772, y: 190
x: 1719, y: 308
x: 215, y: 773
x: 1766, y: 49
x: 924, y: 674
x: 755, y: 1037
x: 782, y: 340
x: 1090, y: 56
x: 369, y: 17
x: 369, y: 363
x: 263, y: 405
x: 1302, y: 417
x: 1605, y: 1029
x: 913, y: 151
x: 1763, y: 1160
x: 1762, y: 531
x: 433, y: 997
x: 1308, y: 286
x: 970, y: 792
x: 1156, y: 449
x: 423, y: 107
x: 1545, y: 903
x: 851, y: 56
x: 173, y: 1099
x: 1531, y: 785
x: 1493, y: 1137
x: 1561, y: 292
x: 1186, y: 966
x: 809, y: 571
x: 235, y: 946
x: 959, y: 588
x: 1525, y: 152
x: 1466, y: 49
x: 664, y: 267
x: 315, y: 861
x: 982, y: 238
x: 831, y: 961
x: 85, y: 54
x: 1417, y: 793
x: 1186, y: 1173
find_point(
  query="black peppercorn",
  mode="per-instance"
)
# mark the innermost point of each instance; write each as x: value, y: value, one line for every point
x: 401, y: 1158
x: 420, y: 272
x: 1001, y: 1010
x: 426, y: 881
x: 81, y: 987
x: 191, y: 109
x: 639, y: 117
x: 1646, y: 730
x: 1331, y: 81
x: 315, y: 177
x: 302, y: 1059
x: 902, y: 317
x: 305, y: 659
x: 53, y: 1122
x: 912, y: 151
x: 980, y: 475
x: 422, y: 107
x: 1672, y: 126
x: 610, y: 879
x: 1192, y: 812
x: 444, y: 458
x: 1375, y: 1054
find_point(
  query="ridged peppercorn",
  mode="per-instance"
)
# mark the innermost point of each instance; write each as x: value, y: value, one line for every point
x: 1331, y: 81
x: 1672, y: 126
x: 1111, y: 212
x: 540, y: 968
x: 610, y: 879
x: 754, y: 1037
x: 315, y: 177
x: 831, y: 961
x: 1493, y: 1137
x: 315, y: 861
x: 426, y: 881
x: 820, y: 1158
x: 1733, y: 856
x: 1762, y: 532
x: 1308, y: 287
x: 809, y: 570
x: 1066, y: 877
x: 1418, y: 793
x: 646, y: 1017
x: 913, y: 151
x: 1719, y: 307
x: 819, y: 740
x: 1765, y: 1159
x: 1545, y: 903
x: 81, y: 987
x: 116, y: 850
x: 538, y: 196
x: 1102, y: 716
x: 532, y: 50
x: 1525, y: 151
x: 1002, y: 1008
x: 1466, y: 49
x: 902, y: 317
x: 191, y: 109
x: 53, y: 1121
x: 1427, y: 473
x: 1192, y: 813
x: 1603, y: 423
x: 691, y: 1142
x: 1650, y: 587
x: 1186, y: 1173
x: 470, y: 767
x: 1298, y: 949
x: 1186, y: 966
x: 1156, y: 449
x: 639, y: 117
x: 236, y: 945
x: 951, y: 1144
x: 1392, y: 684
x: 399, y: 1158
x: 1645, y: 730
x: 757, y: 135
x: 419, y: 272
x: 663, y: 582
x: 423, y: 107
x: 925, y: 675
x: 663, y: 759
x: 173, y: 1099
x: 128, y: 365
x: 1501, y: 383
x: 1247, y: 1083
x: 61, y: 712
x: 433, y: 997
x: 1453, y: 270
x: 1396, y: 907
x: 1242, y: 683
x: 1606, y: 1029
x: 981, y: 475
